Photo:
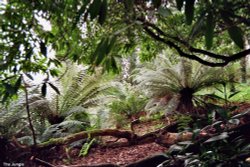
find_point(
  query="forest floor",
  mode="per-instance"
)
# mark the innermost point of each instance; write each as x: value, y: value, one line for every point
x: 122, y: 155
x: 98, y: 154
x: 106, y: 155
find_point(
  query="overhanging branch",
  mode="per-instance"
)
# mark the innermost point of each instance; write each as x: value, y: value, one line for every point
x: 156, y: 33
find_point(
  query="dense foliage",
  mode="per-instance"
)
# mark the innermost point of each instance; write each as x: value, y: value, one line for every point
x: 99, y: 32
x: 185, y: 60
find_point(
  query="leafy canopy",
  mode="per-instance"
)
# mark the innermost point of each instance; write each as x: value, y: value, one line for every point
x: 99, y: 32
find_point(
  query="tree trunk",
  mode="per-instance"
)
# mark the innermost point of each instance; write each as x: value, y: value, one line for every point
x: 243, y: 63
x: 186, y: 103
x: 243, y: 70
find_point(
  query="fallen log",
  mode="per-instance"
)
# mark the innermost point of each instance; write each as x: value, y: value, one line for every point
x: 129, y: 135
x: 160, y: 136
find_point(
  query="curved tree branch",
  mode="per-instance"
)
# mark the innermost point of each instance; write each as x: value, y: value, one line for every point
x: 156, y: 33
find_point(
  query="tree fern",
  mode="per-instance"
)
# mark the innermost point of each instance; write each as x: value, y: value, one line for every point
x: 129, y: 102
x: 183, y: 79
x: 14, y: 117
x: 82, y: 90
x: 78, y: 91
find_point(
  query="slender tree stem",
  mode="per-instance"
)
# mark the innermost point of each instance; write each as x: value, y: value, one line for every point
x: 28, y: 113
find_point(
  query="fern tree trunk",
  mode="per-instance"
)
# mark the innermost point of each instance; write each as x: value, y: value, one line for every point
x: 186, y: 104
x: 186, y: 94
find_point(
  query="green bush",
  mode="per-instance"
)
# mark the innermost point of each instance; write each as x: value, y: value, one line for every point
x: 127, y: 109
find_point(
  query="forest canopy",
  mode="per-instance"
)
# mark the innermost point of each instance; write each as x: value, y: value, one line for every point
x: 100, y: 32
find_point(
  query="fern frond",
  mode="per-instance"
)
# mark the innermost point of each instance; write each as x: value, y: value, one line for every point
x: 160, y: 80
x: 63, y: 129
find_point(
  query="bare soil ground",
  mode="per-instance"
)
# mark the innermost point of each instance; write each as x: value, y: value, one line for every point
x: 119, y: 156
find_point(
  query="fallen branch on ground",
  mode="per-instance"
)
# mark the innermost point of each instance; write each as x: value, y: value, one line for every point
x: 160, y: 136
x: 41, y: 162
x: 131, y: 137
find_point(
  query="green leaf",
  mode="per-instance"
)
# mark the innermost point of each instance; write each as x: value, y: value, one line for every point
x: 222, y: 136
x: 100, y: 49
x: 209, y: 30
x: 246, y: 148
x: 94, y: 9
x: 5, y: 97
x: 179, y: 4
x: 28, y: 54
x: 214, y: 96
x: 29, y: 76
x: 198, y: 27
x: 18, y: 84
x: 222, y: 113
x: 43, y: 49
x: 175, y: 149
x: 164, y: 11
x: 75, y: 57
x: 129, y: 4
x: 236, y: 35
x: 101, y: 52
x: 189, y: 11
x: 157, y: 3
x: 85, y: 148
x: 54, y: 88
x: 3, y: 66
x: 9, y: 88
x: 241, y: 114
x: 79, y: 13
x: 233, y: 94
x: 44, y: 90
x: 54, y: 72
x: 56, y: 62
x: 114, y: 65
x: 103, y: 12
x: 234, y: 121
x: 111, y: 43
x: 220, y: 90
